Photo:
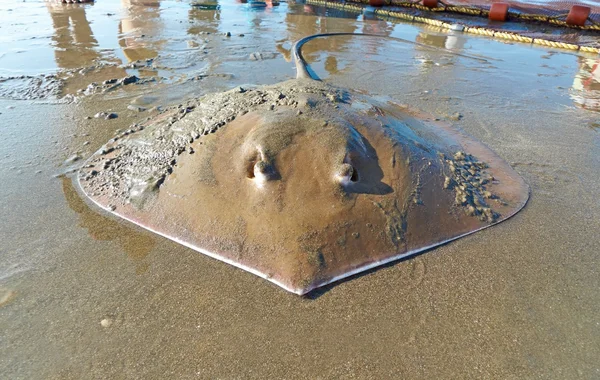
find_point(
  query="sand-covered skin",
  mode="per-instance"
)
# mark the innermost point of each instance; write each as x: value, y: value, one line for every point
x: 301, y: 183
x: 90, y: 297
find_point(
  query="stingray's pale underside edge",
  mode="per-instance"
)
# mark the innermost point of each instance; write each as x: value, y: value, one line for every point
x: 300, y: 291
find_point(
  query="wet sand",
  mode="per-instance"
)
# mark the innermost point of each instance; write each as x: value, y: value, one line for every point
x: 83, y: 295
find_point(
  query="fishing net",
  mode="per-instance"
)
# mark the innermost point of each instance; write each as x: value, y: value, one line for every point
x: 571, y: 25
x: 553, y: 11
x: 529, y: 9
x: 550, y: 9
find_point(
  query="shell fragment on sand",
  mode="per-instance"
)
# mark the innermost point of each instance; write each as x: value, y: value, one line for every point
x: 302, y: 183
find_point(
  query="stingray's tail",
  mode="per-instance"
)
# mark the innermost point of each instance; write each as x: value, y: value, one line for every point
x: 302, y: 67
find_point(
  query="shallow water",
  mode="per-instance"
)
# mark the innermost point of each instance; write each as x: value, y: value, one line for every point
x: 518, y: 300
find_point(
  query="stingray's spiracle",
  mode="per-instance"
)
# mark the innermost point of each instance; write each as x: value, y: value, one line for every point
x: 302, y: 67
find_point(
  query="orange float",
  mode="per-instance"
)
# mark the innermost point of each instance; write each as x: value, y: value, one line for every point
x: 430, y: 3
x: 498, y: 12
x: 578, y: 15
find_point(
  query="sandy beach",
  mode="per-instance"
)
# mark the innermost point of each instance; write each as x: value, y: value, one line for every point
x: 84, y: 295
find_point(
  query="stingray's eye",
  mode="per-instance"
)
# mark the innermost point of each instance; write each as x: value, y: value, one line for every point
x: 262, y: 171
x: 259, y: 168
x: 347, y: 174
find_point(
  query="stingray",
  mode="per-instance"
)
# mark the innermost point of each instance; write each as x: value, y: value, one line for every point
x: 302, y: 183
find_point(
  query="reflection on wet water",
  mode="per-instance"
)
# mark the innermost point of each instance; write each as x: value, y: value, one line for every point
x: 585, y: 91
x: 141, y: 20
x: 204, y: 19
x: 144, y: 29
x: 442, y: 40
x: 74, y: 42
x: 324, y: 21
x: 137, y: 245
x: 172, y: 41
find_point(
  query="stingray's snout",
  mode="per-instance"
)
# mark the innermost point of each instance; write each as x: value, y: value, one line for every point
x: 346, y: 174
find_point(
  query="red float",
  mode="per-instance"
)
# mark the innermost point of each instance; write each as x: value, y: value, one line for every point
x: 430, y: 3
x: 376, y: 3
x: 578, y: 15
x: 498, y: 12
